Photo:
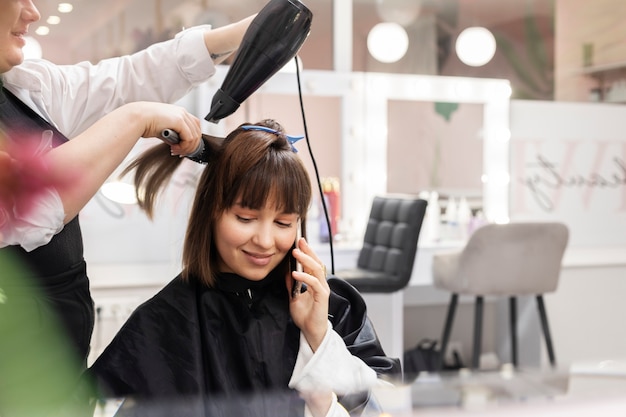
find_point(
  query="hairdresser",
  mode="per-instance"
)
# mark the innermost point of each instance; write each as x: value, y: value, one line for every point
x: 104, y: 109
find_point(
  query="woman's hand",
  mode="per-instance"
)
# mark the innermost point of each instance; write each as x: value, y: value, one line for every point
x: 318, y: 402
x: 309, y: 309
x: 155, y: 117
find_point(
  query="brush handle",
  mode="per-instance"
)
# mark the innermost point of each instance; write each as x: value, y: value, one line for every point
x: 170, y: 136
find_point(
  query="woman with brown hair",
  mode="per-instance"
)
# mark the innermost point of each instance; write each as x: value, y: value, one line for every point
x: 229, y: 335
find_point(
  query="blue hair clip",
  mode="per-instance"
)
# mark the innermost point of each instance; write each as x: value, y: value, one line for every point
x: 291, y: 139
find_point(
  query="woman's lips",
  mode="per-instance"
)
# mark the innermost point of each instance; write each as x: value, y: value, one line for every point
x: 257, y: 259
x: 20, y: 37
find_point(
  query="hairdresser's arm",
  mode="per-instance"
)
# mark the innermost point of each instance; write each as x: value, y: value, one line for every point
x: 73, y: 97
x: 85, y: 163
x: 94, y: 155
x: 223, y: 41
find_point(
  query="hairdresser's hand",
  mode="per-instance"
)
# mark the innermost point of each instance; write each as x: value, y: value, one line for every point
x: 158, y: 116
x: 309, y: 309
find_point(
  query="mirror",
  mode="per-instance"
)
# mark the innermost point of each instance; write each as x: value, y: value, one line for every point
x: 369, y: 130
x: 361, y: 131
x: 435, y: 146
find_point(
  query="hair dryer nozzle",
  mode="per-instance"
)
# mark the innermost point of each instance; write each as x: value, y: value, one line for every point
x: 274, y: 37
x: 221, y: 106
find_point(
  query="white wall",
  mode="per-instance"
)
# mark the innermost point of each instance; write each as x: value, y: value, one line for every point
x: 587, y: 314
x: 583, y: 185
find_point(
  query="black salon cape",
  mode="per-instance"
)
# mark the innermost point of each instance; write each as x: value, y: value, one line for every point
x: 225, y: 351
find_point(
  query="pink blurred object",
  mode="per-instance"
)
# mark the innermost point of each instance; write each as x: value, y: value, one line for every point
x: 24, y: 175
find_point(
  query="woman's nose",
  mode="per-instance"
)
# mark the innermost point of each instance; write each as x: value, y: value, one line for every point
x: 30, y: 12
x: 263, y: 236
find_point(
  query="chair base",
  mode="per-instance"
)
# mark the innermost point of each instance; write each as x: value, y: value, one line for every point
x: 478, y: 323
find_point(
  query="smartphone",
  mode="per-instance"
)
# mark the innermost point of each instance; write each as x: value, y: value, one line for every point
x: 295, y: 265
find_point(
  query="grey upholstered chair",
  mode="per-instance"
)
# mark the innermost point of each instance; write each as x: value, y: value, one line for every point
x: 389, y: 248
x: 510, y: 260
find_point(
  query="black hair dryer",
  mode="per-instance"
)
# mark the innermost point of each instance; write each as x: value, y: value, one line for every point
x: 274, y: 37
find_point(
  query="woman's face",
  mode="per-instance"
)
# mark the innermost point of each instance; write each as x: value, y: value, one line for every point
x: 251, y: 243
x: 15, y: 16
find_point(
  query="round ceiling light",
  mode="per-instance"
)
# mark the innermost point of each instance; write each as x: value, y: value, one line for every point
x: 475, y: 46
x: 65, y: 7
x: 387, y: 42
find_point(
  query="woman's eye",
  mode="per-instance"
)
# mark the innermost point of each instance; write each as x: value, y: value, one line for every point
x: 283, y: 224
x: 244, y: 219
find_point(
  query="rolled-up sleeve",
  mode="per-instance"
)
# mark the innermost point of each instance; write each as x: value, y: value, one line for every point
x: 164, y: 72
x: 73, y: 97
x: 192, y: 57
x: 36, y: 227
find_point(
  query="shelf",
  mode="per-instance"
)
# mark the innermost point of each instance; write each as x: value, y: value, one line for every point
x: 605, y: 76
x: 601, y: 70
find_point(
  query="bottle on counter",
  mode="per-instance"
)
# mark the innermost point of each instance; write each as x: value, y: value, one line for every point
x: 464, y: 217
x: 432, y: 219
x: 477, y: 221
x: 451, y: 219
x: 332, y: 199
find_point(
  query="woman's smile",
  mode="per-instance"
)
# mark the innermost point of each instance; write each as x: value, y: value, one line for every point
x: 257, y: 258
x: 19, y: 36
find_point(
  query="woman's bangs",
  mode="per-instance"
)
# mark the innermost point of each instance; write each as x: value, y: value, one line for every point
x: 285, y: 185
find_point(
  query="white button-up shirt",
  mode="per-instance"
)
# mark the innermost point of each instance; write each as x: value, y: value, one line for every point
x: 73, y: 97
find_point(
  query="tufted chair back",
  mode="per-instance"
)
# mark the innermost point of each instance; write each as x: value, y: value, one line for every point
x: 389, y: 248
x: 505, y: 259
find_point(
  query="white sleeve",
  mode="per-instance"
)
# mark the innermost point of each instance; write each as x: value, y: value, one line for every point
x: 74, y: 97
x: 331, y: 368
x: 44, y: 218
x: 335, y: 410
x: 37, y: 227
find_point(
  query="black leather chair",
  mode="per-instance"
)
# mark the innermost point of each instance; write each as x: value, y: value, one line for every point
x: 389, y: 248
